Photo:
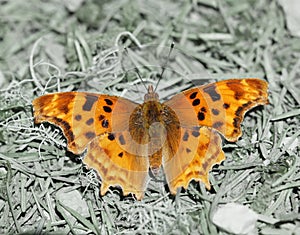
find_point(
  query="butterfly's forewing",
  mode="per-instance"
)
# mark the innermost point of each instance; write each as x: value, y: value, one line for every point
x: 220, y: 105
x: 82, y: 116
x: 98, y: 123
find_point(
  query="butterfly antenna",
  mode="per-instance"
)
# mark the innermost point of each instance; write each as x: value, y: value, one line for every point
x: 138, y: 73
x: 136, y: 69
x: 165, y: 65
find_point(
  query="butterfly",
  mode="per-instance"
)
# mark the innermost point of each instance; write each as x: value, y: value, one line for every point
x: 124, y: 139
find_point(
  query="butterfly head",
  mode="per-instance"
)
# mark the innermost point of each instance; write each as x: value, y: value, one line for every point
x: 151, y: 94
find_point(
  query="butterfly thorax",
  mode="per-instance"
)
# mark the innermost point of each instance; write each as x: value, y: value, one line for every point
x: 147, y: 128
x: 149, y: 123
x: 155, y: 125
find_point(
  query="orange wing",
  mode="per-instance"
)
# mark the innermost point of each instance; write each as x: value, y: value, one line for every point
x: 199, y: 149
x: 220, y: 105
x: 98, y: 123
x: 201, y: 111
x: 116, y: 166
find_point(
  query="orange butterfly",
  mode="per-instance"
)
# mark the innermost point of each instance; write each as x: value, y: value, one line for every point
x: 124, y: 139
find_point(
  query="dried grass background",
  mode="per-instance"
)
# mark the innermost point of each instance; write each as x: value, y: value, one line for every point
x: 50, y: 46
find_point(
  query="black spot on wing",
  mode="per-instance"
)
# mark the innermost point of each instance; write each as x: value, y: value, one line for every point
x: 211, y: 91
x: 90, y: 135
x: 111, y: 136
x: 122, y: 140
x: 193, y: 95
x: 201, y: 116
x: 226, y: 105
x: 195, y: 133
x: 104, y: 123
x: 89, y: 102
x: 107, y: 109
x: 185, y: 136
x: 108, y: 101
x: 78, y: 117
x: 203, y: 109
x: 217, y: 125
x: 101, y: 117
x: 90, y: 121
x: 215, y: 111
x: 196, y: 102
